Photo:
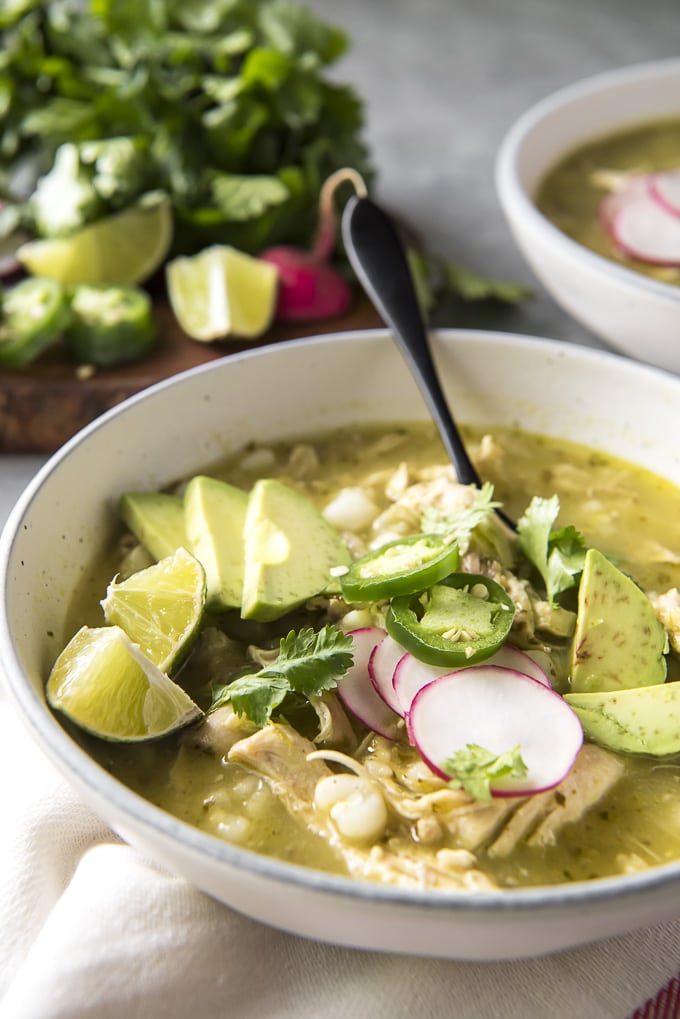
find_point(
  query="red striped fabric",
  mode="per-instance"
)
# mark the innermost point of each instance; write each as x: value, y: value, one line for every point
x: 665, y: 1005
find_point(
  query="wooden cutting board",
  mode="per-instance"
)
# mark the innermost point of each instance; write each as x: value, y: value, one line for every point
x: 44, y: 405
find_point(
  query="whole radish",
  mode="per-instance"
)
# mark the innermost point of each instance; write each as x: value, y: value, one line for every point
x: 310, y: 287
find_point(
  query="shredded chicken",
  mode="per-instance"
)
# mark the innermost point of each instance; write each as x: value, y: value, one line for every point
x: 335, y: 729
x: 220, y: 730
x: 280, y: 756
x: 303, y: 461
x: 442, y: 493
x: 541, y: 817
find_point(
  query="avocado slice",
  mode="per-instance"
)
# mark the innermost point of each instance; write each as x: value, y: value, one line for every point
x: 641, y: 721
x: 289, y: 551
x: 618, y: 643
x: 156, y: 519
x: 214, y: 515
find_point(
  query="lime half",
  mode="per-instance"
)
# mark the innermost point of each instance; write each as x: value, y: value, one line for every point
x: 103, y: 683
x: 222, y: 292
x: 160, y: 608
x: 120, y: 249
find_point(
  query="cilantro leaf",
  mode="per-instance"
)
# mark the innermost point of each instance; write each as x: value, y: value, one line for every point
x: 461, y: 523
x: 558, y: 555
x: 313, y: 662
x: 293, y: 29
x: 436, y: 279
x: 256, y: 696
x: 475, y: 768
x: 240, y: 196
x: 308, y: 663
x: 472, y: 286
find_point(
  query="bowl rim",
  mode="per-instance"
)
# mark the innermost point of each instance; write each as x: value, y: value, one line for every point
x: 518, y: 203
x: 85, y: 773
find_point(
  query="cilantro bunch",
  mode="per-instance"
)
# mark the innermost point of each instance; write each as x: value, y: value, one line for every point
x: 222, y: 104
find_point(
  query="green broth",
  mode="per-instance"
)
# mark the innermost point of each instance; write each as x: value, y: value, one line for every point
x: 569, y: 195
x: 622, y: 509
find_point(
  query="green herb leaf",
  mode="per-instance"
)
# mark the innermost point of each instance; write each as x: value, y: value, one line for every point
x: 222, y: 98
x: 472, y: 286
x: 436, y: 279
x: 313, y: 661
x: 460, y: 524
x: 475, y: 768
x: 256, y: 696
x: 559, y: 555
x: 241, y: 197
x: 308, y: 663
x: 293, y: 29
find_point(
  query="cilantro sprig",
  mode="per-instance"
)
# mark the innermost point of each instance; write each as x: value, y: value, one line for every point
x: 460, y: 524
x: 558, y: 555
x: 308, y: 663
x: 438, y: 280
x: 475, y: 768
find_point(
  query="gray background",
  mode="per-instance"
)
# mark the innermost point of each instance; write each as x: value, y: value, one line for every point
x: 442, y: 81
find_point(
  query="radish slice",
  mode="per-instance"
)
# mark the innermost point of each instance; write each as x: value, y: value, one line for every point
x: 381, y: 666
x: 665, y: 190
x: 356, y: 691
x: 498, y: 709
x: 411, y: 675
x: 643, y: 220
x: 632, y: 189
x: 509, y: 657
x: 645, y: 230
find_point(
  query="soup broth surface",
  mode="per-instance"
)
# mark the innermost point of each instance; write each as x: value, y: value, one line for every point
x: 621, y: 509
x: 570, y: 194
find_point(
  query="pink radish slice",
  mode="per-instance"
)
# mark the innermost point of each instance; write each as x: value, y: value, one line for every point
x: 498, y: 709
x: 356, y: 691
x: 410, y: 675
x: 665, y: 190
x: 634, y: 188
x: 646, y: 231
x: 381, y: 666
x: 509, y: 657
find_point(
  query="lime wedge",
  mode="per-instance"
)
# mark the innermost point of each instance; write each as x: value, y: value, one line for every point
x: 103, y: 683
x: 222, y: 292
x: 119, y: 249
x: 160, y: 608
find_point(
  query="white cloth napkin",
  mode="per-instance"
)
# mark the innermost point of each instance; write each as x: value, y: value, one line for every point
x: 89, y: 928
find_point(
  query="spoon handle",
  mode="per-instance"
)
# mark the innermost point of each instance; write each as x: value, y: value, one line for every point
x: 377, y: 256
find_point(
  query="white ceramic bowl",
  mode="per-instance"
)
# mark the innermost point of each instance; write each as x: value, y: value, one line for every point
x: 632, y: 312
x: 295, y: 389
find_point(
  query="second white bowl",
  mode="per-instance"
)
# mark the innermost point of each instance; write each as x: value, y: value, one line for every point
x: 635, y: 314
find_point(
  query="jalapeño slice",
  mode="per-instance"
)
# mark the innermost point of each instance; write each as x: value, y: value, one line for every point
x: 34, y: 315
x: 110, y: 324
x: 400, y: 567
x: 462, y: 620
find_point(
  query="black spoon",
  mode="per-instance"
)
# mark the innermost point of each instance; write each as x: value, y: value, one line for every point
x: 377, y: 256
